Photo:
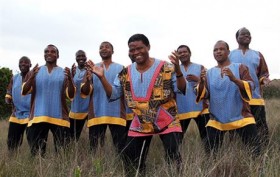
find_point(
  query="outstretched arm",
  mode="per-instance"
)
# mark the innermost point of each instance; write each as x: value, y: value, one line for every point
x: 69, y: 83
x: 181, y: 81
x: 30, y: 80
x: 99, y: 72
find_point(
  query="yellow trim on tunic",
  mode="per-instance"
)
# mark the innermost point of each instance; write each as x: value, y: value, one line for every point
x: 232, y: 125
x: 202, y: 95
x: 29, y: 91
x: 248, y: 91
x: 258, y: 101
x: 205, y: 111
x: 129, y: 116
x: 191, y: 115
x: 8, y: 96
x: 261, y: 80
x: 67, y: 94
x: 19, y: 121
x: 51, y: 120
x: 106, y: 120
x: 78, y: 116
x: 83, y: 95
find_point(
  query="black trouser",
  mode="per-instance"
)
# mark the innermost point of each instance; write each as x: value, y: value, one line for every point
x: 76, y: 127
x: 97, y: 132
x: 37, y: 136
x: 248, y: 136
x: 201, y: 122
x: 136, y: 150
x: 262, y: 128
x: 15, y: 135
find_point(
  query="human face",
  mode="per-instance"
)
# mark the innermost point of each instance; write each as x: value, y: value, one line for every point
x: 105, y: 50
x: 51, y: 54
x: 184, y: 55
x: 24, y: 65
x: 138, y: 52
x: 220, y: 52
x: 244, y: 37
x: 81, y: 58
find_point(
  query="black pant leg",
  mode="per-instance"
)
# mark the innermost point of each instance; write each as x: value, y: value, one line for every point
x: 248, y: 135
x: 76, y: 127
x: 135, y: 154
x: 171, y: 146
x: 261, y: 123
x: 37, y: 137
x: 15, y: 135
x: 118, y: 133
x: 61, y: 136
x: 214, y: 140
x: 97, y: 132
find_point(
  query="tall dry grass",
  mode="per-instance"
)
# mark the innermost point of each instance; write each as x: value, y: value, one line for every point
x: 232, y: 159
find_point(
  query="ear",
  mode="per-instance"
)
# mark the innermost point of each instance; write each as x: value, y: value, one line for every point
x: 149, y: 47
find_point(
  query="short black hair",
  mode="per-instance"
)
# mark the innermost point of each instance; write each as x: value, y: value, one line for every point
x: 80, y: 51
x: 109, y: 44
x: 184, y: 46
x: 237, y: 32
x: 227, y: 46
x: 139, y: 37
x: 25, y: 58
x: 51, y: 45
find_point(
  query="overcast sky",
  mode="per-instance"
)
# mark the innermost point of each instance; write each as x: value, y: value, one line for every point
x: 28, y: 26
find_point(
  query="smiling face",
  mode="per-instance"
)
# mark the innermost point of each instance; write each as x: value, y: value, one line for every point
x: 184, y: 54
x: 81, y: 58
x: 138, y: 52
x: 24, y: 64
x: 243, y: 36
x: 51, y: 54
x: 106, y: 50
x: 221, y: 52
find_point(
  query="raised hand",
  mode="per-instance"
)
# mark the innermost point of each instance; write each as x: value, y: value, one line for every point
x: 34, y: 71
x: 266, y: 81
x: 174, y: 58
x: 97, y: 70
x: 73, y: 69
x: 203, y: 75
x: 67, y: 73
x: 227, y: 72
x: 192, y: 78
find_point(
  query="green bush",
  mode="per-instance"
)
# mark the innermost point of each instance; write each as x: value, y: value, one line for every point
x: 5, y: 76
x: 273, y: 90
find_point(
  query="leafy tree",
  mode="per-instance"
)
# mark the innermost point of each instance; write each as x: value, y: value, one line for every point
x: 5, y: 76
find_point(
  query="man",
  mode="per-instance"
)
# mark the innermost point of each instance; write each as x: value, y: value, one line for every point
x: 187, y: 107
x: 79, y: 106
x: 103, y: 114
x: 255, y: 61
x: 148, y: 85
x: 49, y: 86
x: 21, y: 106
x: 228, y: 88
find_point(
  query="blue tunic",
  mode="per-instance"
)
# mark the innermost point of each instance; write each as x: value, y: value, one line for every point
x: 228, y: 105
x: 79, y: 105
x: 187, y: 106
x: 21, y: 103
x: 102, y: 111
x: 252, y: 60
x: 48, y: 102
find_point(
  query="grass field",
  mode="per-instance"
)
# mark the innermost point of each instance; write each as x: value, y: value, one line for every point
x: 232, y: 160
